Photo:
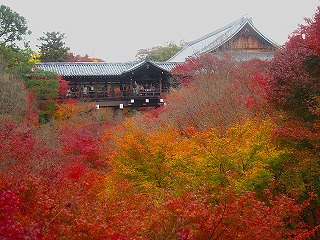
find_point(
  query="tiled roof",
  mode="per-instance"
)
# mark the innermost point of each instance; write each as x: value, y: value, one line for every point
x: 85, y: 68
x: 98, y: 68
x: 215, y: 39
x: 166, y: 66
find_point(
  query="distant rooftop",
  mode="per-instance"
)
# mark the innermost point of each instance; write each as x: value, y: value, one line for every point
x: 215, y: 39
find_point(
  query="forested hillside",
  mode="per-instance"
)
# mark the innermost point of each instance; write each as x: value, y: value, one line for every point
x: 233, y: 155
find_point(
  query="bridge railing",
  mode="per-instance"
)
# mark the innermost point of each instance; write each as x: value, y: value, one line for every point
x: 106, y: 95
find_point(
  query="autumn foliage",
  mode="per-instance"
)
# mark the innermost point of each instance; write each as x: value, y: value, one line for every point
x: 71, y: 57
x: 295, y: 74
x: 239, y: 162
x: 230, y: 92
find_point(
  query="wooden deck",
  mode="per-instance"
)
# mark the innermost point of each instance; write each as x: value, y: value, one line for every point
x: 146, y: 98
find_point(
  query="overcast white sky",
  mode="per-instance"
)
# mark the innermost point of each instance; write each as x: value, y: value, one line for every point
x: 115, y: 30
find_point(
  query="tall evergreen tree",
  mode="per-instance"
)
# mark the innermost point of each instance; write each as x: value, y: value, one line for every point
x: 13, y: 27
x: 52, y: 48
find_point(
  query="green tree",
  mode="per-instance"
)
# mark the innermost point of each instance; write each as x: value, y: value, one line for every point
x: 45, y: 88
x: 52, y: 48
x: 13, y: 27
x: 159, y: 53
x: 13, y: 59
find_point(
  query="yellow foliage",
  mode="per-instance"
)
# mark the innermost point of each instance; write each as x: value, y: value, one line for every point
x: 152, y: 159
x: 66, y: 110
x: 35, y: 58
x: 240, y: 157
x: 73, y: 110
x: 164, y: 159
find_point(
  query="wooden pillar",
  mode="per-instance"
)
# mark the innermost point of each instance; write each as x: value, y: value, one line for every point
x: 95, y: 88
x: 160, y: 84
x: 131, y: 87
x: 79, y: 90
x: 112, y: 93
x: 105, y: 94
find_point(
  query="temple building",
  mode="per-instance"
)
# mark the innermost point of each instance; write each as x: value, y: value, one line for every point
x: 142, y: 84
x: 239, y: 38
x: 115, y: 84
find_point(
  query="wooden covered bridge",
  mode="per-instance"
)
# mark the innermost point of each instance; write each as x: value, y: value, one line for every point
x: 115, y: 84
x: 143, y: 84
